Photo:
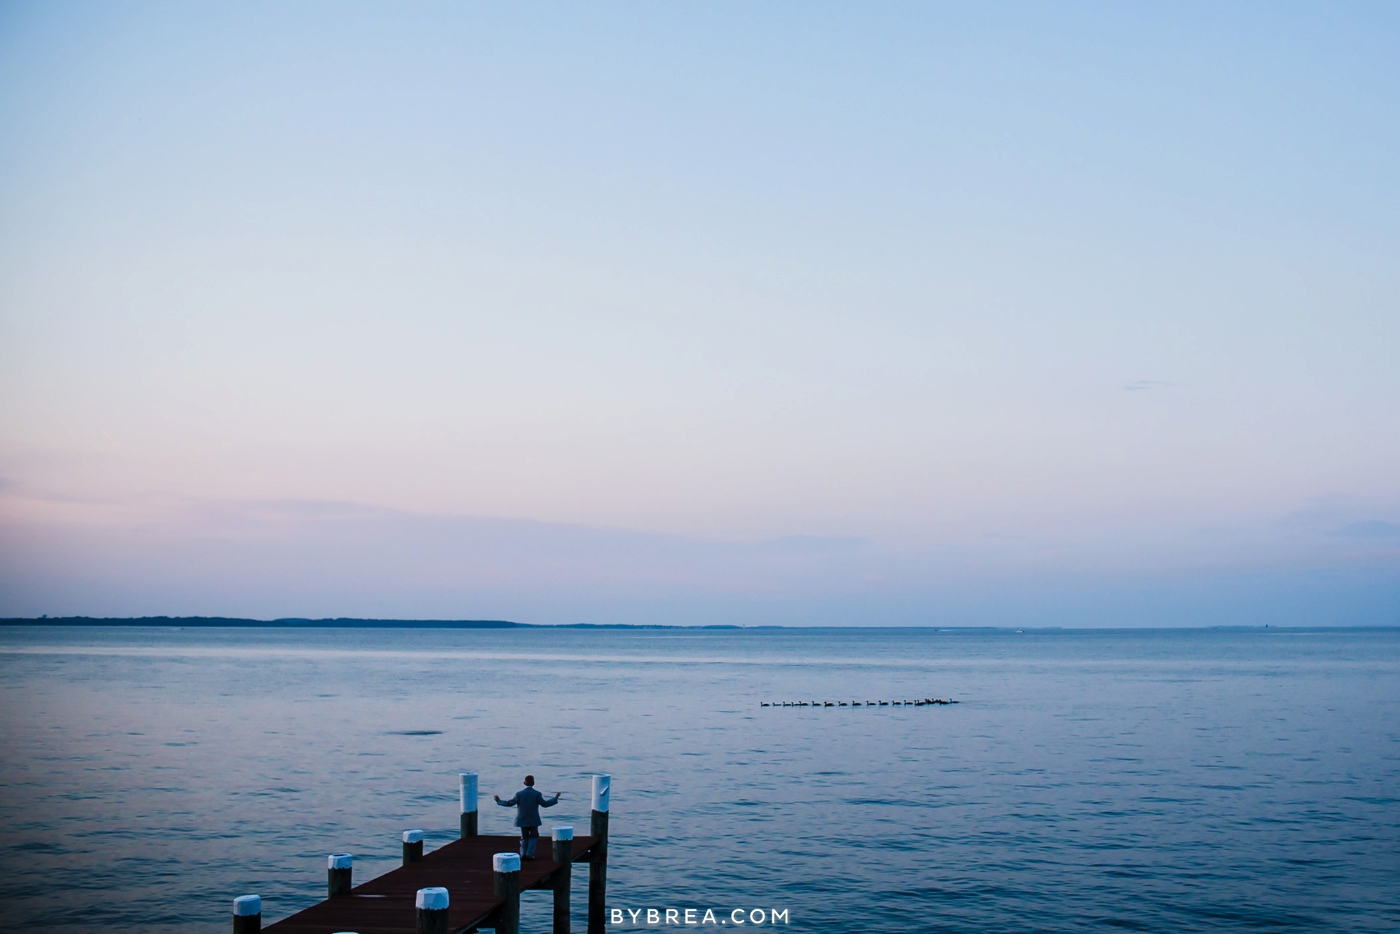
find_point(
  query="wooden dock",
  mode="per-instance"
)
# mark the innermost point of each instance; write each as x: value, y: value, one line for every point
x: 471, y: 883
x: 386, y: 905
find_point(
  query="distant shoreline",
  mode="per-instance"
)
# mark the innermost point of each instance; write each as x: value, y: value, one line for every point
x: 231, y: 622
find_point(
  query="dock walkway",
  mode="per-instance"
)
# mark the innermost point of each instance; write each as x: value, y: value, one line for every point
x: 386, y: 905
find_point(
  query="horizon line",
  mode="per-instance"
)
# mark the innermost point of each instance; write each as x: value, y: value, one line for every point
x: 344, y: 622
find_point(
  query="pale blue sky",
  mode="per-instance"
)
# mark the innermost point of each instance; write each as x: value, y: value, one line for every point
x: 869, y: 313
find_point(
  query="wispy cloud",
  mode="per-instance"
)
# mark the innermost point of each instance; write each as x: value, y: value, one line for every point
x: 317, y: 558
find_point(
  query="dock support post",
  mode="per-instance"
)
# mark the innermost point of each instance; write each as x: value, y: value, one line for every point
x: 507, y: 886
x: 432, y: 910
x: 339, y: 869
x: 563, y: 877
x: 247, y: 914
x: 412, y: 846
x: 468, y: 803
x: 598, y: 867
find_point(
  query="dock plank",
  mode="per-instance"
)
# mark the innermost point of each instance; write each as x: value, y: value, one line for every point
x: 385, y: 905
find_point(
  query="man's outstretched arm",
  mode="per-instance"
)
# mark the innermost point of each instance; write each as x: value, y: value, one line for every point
x: 508, y: 803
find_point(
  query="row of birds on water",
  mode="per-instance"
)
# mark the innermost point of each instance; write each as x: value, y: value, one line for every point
x: 926, y: 702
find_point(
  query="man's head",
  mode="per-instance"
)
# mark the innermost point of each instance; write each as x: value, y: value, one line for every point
x: 530, y: 780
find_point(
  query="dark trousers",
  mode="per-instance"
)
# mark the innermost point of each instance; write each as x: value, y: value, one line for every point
x: 529, y: 836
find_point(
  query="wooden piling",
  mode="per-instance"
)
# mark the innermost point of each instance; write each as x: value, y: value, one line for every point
x: 247, y: 914
x: 506, y: 881
x: 563, y: 879
x: 468, y: 779
x: 432, y: 904
x: 598, y: 868
x: 339, y: 869
x: 412, y: 846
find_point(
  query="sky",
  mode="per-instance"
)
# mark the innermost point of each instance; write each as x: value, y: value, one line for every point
x: 702, y: 313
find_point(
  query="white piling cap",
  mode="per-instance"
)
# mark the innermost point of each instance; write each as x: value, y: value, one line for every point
x: 506, y: 862
x: 432, y: 899
x: 602, y: 785
x: 562, y: 832
x: 245, y: 906
x: 340, y: 861
x: 468, y: 791
x: 413, y: 836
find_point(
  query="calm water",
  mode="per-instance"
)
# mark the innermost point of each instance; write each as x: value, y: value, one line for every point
x: 1157, y: 781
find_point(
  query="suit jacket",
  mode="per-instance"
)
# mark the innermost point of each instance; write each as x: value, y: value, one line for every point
x: 529, y: 801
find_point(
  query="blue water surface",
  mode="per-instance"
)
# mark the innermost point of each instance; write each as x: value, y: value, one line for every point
x: 1089, y: 780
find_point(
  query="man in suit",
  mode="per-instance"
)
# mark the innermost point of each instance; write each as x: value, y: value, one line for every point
x: 529, y: 801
